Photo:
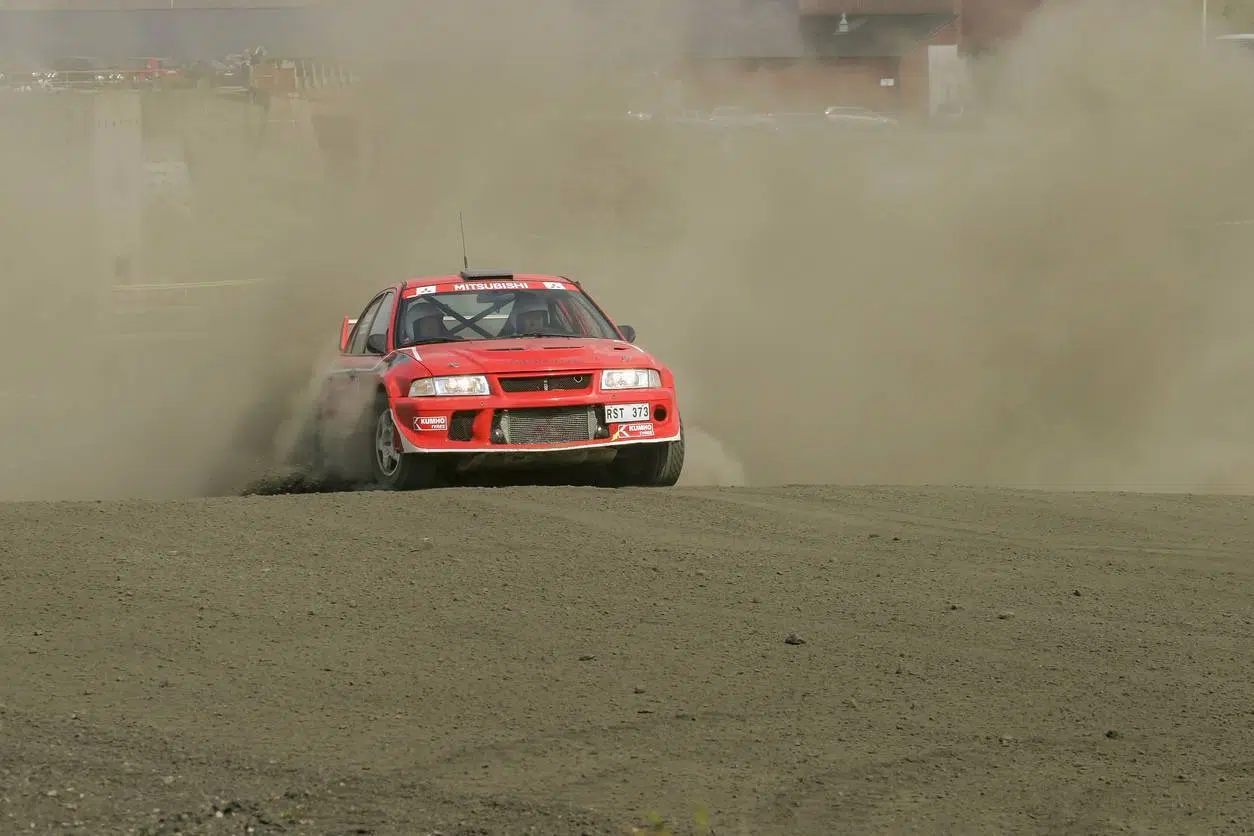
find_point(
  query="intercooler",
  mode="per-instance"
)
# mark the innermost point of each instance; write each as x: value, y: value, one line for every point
x: 546, y: 425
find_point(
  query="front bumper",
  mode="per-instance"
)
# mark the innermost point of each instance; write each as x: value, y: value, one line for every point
x: 538, y: 422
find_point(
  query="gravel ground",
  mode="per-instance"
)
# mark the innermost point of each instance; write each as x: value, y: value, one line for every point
x: 800, y: 660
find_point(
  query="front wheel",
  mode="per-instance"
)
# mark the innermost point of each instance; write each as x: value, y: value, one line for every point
x: 392, y: 467
x: 648, y: 465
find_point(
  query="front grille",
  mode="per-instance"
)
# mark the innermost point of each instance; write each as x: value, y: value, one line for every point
x: 547, y: 425
x: 552, y: 383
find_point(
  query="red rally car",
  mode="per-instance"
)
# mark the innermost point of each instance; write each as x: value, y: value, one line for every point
x: 486, y: 370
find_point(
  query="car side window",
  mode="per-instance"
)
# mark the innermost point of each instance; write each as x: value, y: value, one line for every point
x: 358, y: 343
x: 383, y: 318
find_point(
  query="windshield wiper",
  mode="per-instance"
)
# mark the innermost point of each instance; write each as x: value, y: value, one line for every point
x: 534, y: 334
x: 430, y: 340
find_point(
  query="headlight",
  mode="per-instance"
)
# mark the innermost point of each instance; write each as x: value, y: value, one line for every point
x: 465, y: 384
x: 630, y: 379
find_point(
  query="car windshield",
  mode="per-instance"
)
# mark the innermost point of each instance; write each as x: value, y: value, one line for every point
x: 453, y: 315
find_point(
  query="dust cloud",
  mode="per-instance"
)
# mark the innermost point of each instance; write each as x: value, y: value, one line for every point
x: 1044, y: 295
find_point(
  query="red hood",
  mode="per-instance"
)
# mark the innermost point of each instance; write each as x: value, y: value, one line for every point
x: 529, y: 355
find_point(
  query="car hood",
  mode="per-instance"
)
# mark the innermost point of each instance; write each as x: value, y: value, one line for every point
x: 528, y: 355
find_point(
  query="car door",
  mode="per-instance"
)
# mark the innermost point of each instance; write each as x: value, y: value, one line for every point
x: 365, y: 365
x: 343, y: 379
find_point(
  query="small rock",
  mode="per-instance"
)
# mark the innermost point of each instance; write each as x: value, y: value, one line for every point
x: 793, y: 638
x: 1113, y: 734
x: 1005, y: 615
x: 587, y: 657
x: 637, y: 690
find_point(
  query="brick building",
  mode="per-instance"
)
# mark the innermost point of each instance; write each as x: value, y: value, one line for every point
x: 899, y: 56
x: 982, y: 24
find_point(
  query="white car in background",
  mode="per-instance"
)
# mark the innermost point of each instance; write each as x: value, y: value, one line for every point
x: 849, y: 115
x: 737, y: 116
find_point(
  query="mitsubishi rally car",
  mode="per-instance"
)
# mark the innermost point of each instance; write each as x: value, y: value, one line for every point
x: 444, y: 376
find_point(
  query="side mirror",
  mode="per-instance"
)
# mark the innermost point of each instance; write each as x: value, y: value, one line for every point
x: 377, y: 343
x: 629, y: 333
x: 346, y: 331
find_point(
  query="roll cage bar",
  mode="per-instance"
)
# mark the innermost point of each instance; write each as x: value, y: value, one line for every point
x: 465, y: 322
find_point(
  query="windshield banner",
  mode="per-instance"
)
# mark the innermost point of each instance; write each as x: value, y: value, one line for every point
x: 480, y: 287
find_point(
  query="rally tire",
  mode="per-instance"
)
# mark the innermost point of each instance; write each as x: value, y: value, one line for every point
x: 390, y: 466
x: 649, y: 465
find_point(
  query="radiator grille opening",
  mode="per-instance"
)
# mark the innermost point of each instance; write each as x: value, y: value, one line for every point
x: 546, y: 425
x: 549, y: 383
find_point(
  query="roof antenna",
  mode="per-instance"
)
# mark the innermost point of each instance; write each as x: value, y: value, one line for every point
x: 462, y: 226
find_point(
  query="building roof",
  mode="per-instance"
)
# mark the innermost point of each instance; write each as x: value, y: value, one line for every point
x: 869, y: 36
x: 701, y: 28
x: 776, y: 30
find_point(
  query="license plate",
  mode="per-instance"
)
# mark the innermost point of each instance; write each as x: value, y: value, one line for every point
x: 626, y: 413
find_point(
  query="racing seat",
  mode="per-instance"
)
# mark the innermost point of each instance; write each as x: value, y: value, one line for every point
x: 510, y: 328
x: 525, y: 305
x: 420, y: 312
